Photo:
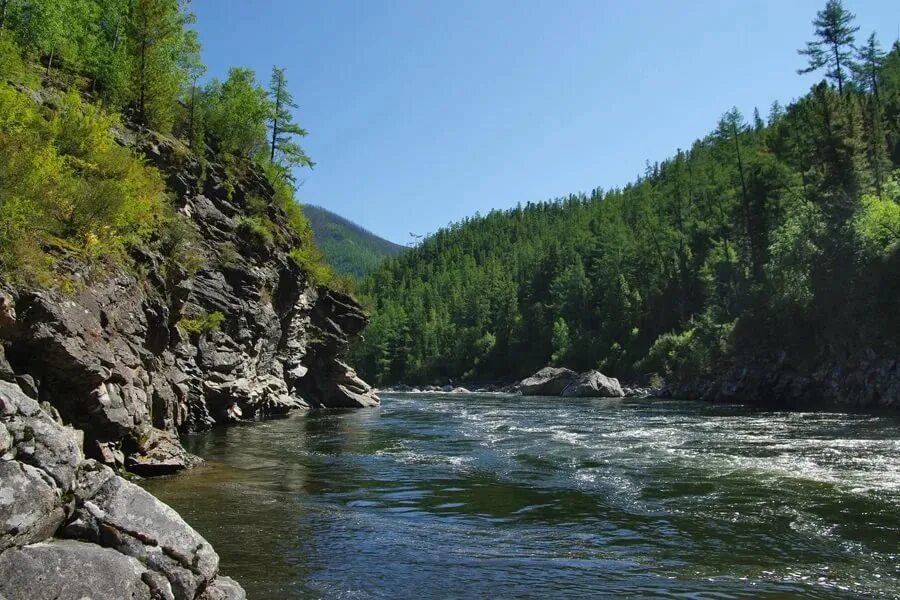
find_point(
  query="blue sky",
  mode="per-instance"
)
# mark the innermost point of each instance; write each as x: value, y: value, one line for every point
x: 422, y: 112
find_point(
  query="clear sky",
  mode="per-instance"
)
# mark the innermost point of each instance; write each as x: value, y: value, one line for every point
x: 422, y: 112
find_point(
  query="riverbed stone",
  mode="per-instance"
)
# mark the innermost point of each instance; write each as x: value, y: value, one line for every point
x: 549, y: 381
x: 594, y: 384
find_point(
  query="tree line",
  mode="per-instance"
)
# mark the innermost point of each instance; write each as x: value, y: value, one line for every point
x: 776, y: 232
x: 142, y: 57
x: 136, y: 61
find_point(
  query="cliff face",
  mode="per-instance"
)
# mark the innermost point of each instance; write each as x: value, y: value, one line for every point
x: 233, y: 329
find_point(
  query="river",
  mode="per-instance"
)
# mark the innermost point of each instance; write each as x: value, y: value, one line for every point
x: 490, y: 496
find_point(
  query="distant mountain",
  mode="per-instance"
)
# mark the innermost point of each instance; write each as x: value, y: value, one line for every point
x: 348, y: 248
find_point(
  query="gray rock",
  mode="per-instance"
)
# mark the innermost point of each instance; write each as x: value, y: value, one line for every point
x: 14, y: 402
x: 6, y: 372
x: 71, y: 570
x: 41, y: 442
x: 549, y: 381
x: 594, y: 384
x: 224, y: 588
x: 128, y: 519
x: 159, y: 453
x: 28, y: 385
x: 31, y: 507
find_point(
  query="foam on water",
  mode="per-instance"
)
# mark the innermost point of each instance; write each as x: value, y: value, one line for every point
x: 502, y: 496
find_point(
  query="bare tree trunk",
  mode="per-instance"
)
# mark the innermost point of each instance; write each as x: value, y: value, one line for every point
x: 275, y: 120
x: 143, y: 76
x: 191, y: 120
x: 837, y: 70
x: 755, y: 267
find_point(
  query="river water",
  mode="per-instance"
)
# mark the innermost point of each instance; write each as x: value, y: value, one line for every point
x: 489, y: 496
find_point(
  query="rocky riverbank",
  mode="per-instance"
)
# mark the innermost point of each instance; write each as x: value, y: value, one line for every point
x: 549, y: 381
x: 71, y: 528
x: 104, y: 373
x: 862, y: 380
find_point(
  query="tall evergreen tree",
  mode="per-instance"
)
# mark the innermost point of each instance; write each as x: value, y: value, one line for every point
x: 157, y: 40
x: 284, y: 151
x: 833, y: 47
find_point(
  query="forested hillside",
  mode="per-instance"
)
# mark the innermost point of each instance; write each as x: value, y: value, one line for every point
x: 770, y: 232
x: 347, y: 247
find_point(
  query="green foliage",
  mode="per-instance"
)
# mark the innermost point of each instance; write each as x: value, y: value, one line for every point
x: 685, y: 356
x: 65, y: 183
x: 284, y: 150
x: 11, y: 64
x: 235, y: 113
x: 310, y: 258
x: 179, y: 242
x: 878, y: 224
x: 258, y: 229
x: 562, y: 343
x: 201, y: 324
x: 833, y: 46
x: 158, y: 42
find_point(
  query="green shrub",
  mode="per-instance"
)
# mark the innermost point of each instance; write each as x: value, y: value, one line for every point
x: 11, y: 65
x: 258, y: 229
x: 66, y: 184
x: 878, y: 224
x: 180, y: 244
x: 202, y: 324
x: 311, y: 259
x: 692, y: 353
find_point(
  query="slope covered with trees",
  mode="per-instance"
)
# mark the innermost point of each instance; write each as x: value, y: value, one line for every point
x: 768, y: 233
x: 347, y: 247
x: 68, y: 188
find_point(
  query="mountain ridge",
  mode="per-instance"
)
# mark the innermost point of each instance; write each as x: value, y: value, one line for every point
x: 348, y: 247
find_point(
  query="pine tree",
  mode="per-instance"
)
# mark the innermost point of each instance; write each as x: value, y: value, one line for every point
x: 834, y: 46
x: 869, y: 62
x: 157, y: 40
x: 288, y: 153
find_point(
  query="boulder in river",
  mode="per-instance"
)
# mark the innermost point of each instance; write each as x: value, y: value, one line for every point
x: 549, y: 381
x: 594, y: 384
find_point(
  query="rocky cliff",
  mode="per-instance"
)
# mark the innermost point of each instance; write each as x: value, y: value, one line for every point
x: 209, y: 322
x: 232, y: 330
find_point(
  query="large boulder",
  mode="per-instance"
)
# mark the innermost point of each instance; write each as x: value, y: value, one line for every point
x: 38, y: 462
x: 594, y: 384
x: 549, y: 381
x: 123, y: 542
x: 67, y: 569
x: 122, y: 516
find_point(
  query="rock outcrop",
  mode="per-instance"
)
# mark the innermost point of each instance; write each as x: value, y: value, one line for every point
x: 549, y: 381
x: 559, y: 381
x: 594, y: 384
x: 215, y: 326
x: 71, y: 528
